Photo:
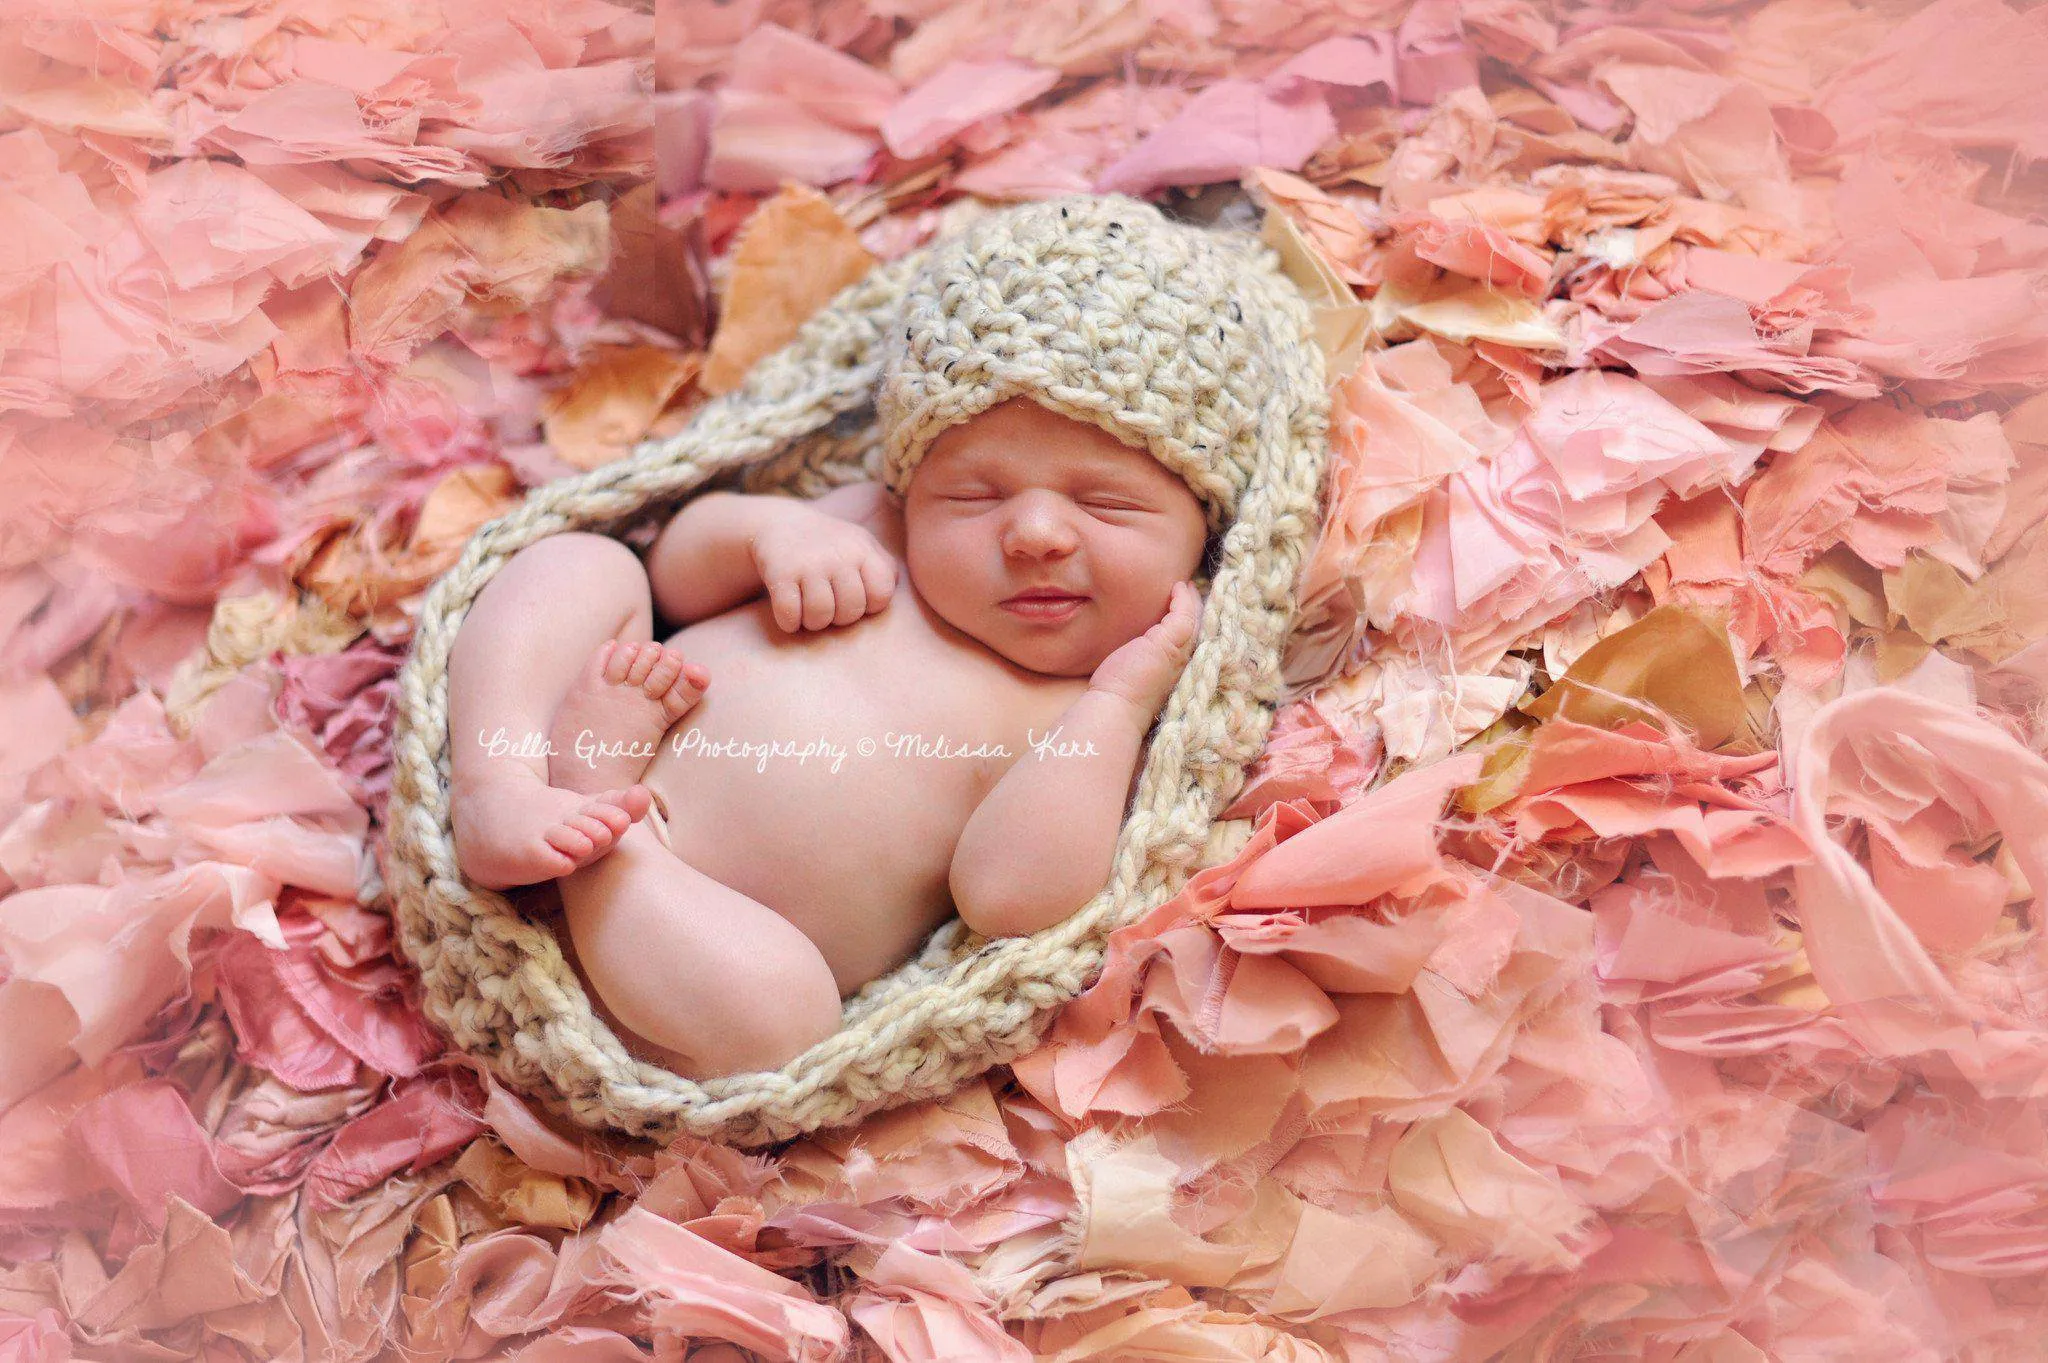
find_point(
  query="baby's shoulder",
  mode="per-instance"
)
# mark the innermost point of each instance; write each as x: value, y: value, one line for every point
x: 868, y: 504
x: 863, y: 502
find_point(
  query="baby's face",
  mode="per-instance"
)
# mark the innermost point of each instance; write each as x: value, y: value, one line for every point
x: 1022, y: 497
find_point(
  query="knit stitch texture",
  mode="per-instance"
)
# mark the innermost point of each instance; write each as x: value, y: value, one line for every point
x: 1101, y: 310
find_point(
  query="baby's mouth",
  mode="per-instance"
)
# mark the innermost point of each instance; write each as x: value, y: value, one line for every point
x: 1044, y: 606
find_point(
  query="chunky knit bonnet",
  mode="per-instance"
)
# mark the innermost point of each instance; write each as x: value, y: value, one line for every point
x: 1188, y: 343
x: 1169, y: 337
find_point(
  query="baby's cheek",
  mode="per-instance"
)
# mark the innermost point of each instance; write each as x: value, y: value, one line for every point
x: 1122, y: 632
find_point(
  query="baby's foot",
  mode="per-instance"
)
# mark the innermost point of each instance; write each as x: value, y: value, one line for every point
x: 512, y: 830
x: 608, y: 726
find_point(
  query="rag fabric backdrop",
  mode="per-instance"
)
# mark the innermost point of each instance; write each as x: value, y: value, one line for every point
x: 1633, y: 947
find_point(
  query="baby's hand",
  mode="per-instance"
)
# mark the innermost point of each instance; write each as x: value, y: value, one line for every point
x: 1144, y: 670
x: 821, y: 571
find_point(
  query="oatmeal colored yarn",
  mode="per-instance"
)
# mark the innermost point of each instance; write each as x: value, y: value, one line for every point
x: 1242, y: 418
x: 1103, y: 311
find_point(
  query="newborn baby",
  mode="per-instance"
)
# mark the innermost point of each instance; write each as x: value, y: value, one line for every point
x: 973, y: 664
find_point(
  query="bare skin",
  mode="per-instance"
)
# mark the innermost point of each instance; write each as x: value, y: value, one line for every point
x: 626, y: 688
x: 966, y: 752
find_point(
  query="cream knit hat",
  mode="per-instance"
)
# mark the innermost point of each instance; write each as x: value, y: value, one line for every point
x: 1174, y: 339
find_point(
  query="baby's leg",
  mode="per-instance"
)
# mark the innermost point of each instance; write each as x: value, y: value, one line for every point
x: 526, y: 644
x: 716, y: 981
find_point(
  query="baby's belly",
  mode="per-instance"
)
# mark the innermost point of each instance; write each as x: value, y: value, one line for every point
x: 783, y: 784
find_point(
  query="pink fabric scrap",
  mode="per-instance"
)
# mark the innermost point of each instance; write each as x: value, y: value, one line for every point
x: 1226, y: 128
x: 955, y: 98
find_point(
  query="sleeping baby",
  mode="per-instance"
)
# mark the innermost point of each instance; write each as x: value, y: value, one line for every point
x: 899, y: 701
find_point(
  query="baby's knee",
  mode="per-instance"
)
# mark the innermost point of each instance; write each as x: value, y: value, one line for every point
x: 601, y: 576
x: 579, y: 554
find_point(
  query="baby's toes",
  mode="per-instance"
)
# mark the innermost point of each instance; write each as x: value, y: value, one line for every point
x: 628, y: 664
x: 597, y: 825
x: 610, y: 661
x: 668, y: 665
x: 629, y: 802
x: 601, y: 826
x: 684, y: 691
x: 572, y: 841
x: 650, y: 657
x: 624, y: 663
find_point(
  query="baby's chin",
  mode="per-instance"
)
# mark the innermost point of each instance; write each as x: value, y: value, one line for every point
x: 1052, y: 653
x: 1046, y: 657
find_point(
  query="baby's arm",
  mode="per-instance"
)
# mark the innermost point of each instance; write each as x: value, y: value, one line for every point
x: 705, y: 560
x: 1042, y: 843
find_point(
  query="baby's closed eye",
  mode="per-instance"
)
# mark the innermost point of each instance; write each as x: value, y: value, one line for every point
x: 1091, y: 502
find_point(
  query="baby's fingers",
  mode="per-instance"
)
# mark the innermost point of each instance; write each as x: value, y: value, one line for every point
x: 819, y: 607
x: 849, y: 595
x: 786, y: 603
x: 1183, y: 614
x: 878, y: 575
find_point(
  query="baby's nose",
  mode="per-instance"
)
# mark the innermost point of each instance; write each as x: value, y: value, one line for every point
x: 1036, y: 526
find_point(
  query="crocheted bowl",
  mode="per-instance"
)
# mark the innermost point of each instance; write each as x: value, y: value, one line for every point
x: 498, y: 984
